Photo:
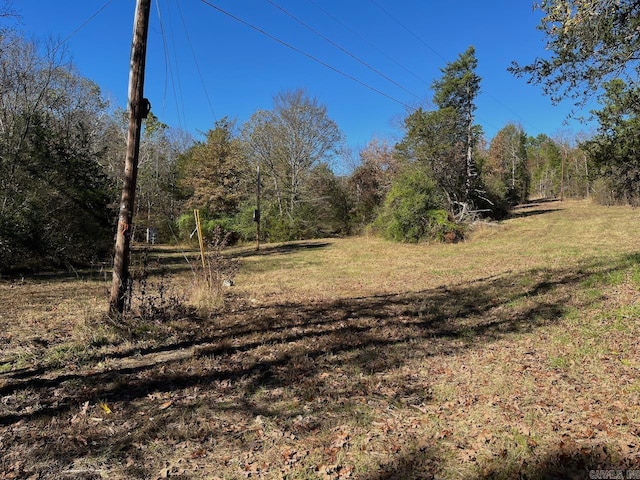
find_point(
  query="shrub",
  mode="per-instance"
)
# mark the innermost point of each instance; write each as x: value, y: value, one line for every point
x: 243, y: 223
x: 603, y: 192
x: 187, y: 224
x: 412, y: 211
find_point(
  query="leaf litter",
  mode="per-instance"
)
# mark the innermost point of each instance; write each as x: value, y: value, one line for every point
x: 494, y: 377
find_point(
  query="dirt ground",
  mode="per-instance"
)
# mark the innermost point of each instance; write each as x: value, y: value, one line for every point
x: 512, y: 355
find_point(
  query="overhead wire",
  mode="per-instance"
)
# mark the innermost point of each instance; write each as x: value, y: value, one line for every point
x: 415, y: 35
x: 168, y: 67
x: 381, y: 52
x: 311, y: 57
x: 302, y: 52
x: 177, y: 70
x: 342, y: 49
x: 166, y: 70
x: 84, y: 24
x: 423, y: 42
x: 195, y: 59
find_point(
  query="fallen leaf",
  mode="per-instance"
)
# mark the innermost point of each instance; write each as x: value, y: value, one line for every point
x: 484, y: 436
x: 342, y: 438
x: 166, y: 405
x: 199, y: 453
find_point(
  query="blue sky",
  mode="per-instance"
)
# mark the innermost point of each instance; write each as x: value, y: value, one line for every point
x: 203, y: 65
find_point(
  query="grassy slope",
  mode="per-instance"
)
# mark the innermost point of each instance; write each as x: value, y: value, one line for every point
x: 514, y: 353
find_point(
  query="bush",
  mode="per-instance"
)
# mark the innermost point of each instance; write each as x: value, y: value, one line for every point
x: 301, y: 225
x: 602, y: 191
x: 412, y: 212
x: 187, y: 225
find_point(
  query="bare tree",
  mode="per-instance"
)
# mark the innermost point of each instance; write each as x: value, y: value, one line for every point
x: 506, y: 165
x: 289, y: 141
x: 7, y: 9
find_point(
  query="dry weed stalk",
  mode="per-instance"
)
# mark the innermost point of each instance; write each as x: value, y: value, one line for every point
x: 218, y: 273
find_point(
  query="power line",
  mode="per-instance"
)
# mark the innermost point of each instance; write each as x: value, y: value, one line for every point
x: 343, y: 50
x: 421, y: 40
x: 178, y: 77
x: 499, y: 102
x: 388, y: 57
x: 168, y: 65
x: 84, y: 24
x: 195, y: 59
x: 415, y: 35
x: 407, y: 29
x: 309, y: 56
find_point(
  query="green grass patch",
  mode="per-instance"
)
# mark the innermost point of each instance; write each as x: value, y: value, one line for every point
x: 559, y: 363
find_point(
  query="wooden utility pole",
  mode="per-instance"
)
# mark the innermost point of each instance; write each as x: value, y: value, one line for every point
x: 196, y: 214
x: 257, y: 213
x: 138, y: 109
x: 564, y: 154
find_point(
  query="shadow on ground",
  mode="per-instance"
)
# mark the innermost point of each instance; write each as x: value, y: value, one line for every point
x: 281, y: 249
x: 563, y: 464
x: 533, y: 208
x: 159, y: 261
x: 531, y: 213
x: 282, y: 362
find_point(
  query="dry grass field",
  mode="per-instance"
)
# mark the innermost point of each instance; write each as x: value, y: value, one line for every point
x: 514, y: 354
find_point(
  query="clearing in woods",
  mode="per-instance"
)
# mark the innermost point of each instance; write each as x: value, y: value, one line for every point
x: 511, y: 355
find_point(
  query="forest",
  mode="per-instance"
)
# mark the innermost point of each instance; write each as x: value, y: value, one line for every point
x: 448, y: 306
x: 62, y: 147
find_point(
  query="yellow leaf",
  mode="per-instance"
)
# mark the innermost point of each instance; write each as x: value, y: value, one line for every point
x: 166, y: 405
x: 105, y: 408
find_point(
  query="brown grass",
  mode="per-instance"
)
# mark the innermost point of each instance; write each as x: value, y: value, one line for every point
x: 512, y: 355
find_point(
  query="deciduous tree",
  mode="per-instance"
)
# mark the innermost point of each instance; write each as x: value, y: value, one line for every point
x: 506, y: 167
x: 371, y: 180
x: 590, y: 42
x: 288, y: 142
x: 214, y: 174
x: 54, y: 194
x: 545, y: 165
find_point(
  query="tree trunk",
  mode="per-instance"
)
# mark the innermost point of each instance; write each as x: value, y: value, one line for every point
x: 469, y: 163
x: 137, y: 110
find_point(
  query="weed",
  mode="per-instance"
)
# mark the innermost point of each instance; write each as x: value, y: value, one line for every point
x: 606, y: 278
x: 95, y: 333
x: 634, y: 387
x: 624, y: 316
x: 575, y: 316
x: 467, y: 334
x: 217, y: 274
x: 592, y: 294
x: 635, y: 275
x: 153, y: 299
x: 559, y: 363
x: 64, y: 354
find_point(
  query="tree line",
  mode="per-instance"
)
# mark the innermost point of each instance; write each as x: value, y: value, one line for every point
x: 62, y: 147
